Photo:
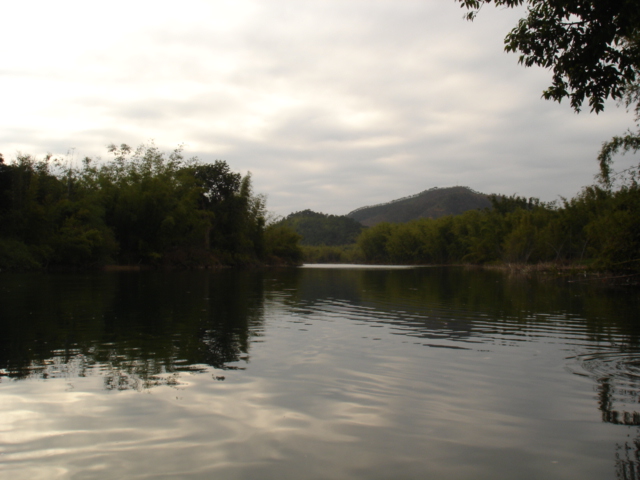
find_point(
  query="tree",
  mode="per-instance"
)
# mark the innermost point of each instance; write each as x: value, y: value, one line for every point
x: 144, y: 206
x: 629, y: 142
x: 589, y: 45
x: 373, y: 241
x: 282, y: 244
x: 593, y: 50
x: 217, y: 181
x: 322, y: 229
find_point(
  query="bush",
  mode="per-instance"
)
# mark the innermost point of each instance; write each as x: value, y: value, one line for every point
x: 15, y: 255
x: 281, y: 244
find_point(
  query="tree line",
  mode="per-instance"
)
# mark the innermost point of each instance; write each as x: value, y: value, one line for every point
x: 318, y: 229
x: 142, y: 207
x: 599, y: 227
x: 592, y: 48
x: 146, y: 207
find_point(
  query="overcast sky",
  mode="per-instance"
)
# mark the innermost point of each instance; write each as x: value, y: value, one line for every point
x: 331, y: 104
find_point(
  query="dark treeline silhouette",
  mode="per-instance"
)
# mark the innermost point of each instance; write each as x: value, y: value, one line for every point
x: 146, y: 207
x: 599, y: 227
x: 132, y: 328
x: 323, y: 229
x: 142, y: 207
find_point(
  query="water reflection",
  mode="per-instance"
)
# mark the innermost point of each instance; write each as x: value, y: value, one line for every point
x: 450, y: 305
x: 618, y: 401
x: 137, y: 330
x: 404, y: 367
x: 616, y: 374
x: 482, y: 306
x: 151, y: 324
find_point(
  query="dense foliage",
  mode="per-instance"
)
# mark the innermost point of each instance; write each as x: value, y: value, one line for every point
x: 599, y: 227
x: 142, y: 207
x: 592, y: 48
x: 321, y: 229
x: 590, y: 45
x: 433, y: 203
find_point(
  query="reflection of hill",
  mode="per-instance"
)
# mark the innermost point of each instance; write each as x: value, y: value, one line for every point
x: 138, y: 328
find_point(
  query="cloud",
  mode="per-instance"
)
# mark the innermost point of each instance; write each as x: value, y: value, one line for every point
x: 331, y: 104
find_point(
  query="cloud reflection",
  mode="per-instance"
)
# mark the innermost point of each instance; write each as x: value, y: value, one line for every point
x: 342, y: 378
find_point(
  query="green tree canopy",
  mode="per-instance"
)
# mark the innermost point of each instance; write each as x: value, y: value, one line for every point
x: 317, y: 228
x: 593, y: 50
x: 142, y: 207
x: 590, y: 45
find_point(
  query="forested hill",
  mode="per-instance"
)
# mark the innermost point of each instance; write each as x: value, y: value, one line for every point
x: 432, y: 203
x: 322, y: 229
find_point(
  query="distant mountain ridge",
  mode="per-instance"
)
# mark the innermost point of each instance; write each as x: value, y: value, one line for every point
x: 432, y: 203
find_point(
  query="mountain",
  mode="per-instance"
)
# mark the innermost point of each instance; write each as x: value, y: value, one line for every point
x: 433, y: 203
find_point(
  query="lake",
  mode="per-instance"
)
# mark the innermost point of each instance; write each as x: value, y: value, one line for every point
x: 331, y: 372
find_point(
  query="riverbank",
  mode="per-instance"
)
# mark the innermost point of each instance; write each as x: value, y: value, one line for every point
x: 573, y: 273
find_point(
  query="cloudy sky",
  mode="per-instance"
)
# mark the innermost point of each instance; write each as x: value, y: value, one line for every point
x: 331, y: 104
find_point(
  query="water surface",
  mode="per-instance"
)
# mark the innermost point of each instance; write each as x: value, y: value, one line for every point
x: 317, y: 373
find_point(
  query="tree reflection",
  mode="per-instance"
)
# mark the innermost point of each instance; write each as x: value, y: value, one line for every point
x: 451, y: 304
x: 628, y: 460
x: 141, y: 330
x: 610, y: 394
x: 462, y: 303
x: 136, y: 330
x: 606, y: 393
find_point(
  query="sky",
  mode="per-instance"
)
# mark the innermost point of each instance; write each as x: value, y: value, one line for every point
x: 330, y: 104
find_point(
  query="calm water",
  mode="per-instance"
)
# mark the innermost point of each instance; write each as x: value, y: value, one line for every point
x: 317, y: 373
